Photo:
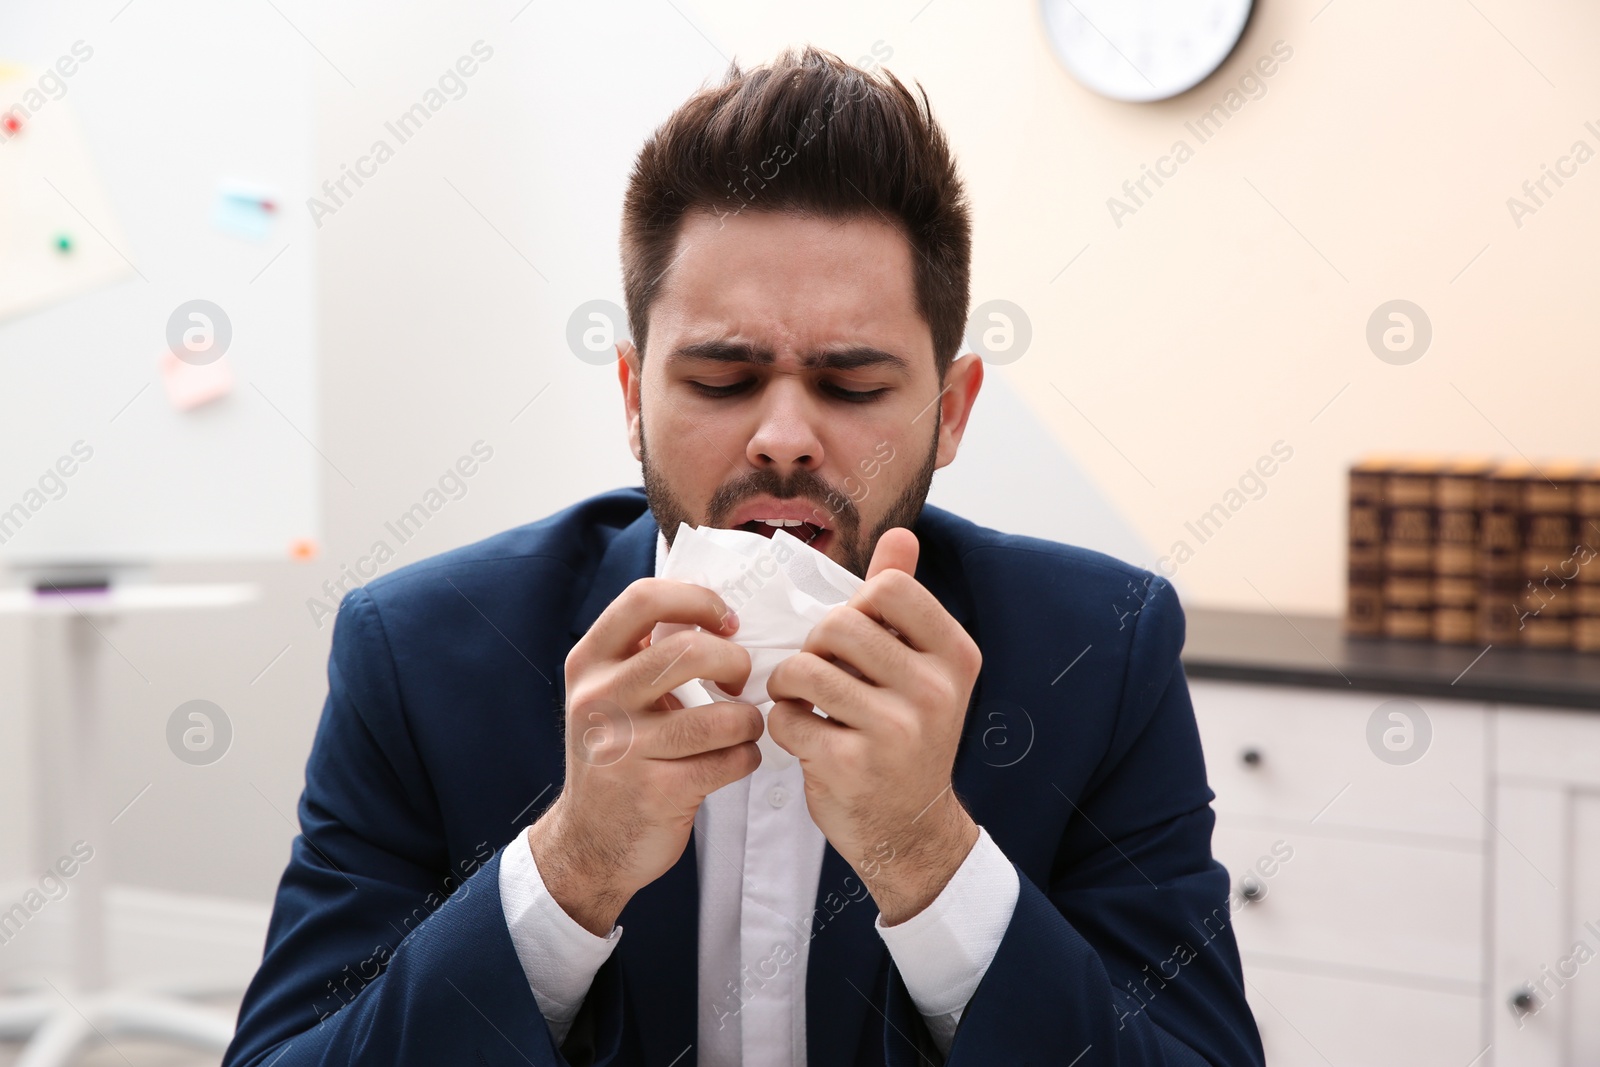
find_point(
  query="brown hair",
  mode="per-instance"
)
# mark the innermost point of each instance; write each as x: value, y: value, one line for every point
x: 812, y: 135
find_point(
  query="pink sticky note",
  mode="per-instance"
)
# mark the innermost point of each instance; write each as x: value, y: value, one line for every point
x: 189, y: 386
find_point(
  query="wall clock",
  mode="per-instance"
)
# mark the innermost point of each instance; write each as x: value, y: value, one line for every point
x: 1141, y: 50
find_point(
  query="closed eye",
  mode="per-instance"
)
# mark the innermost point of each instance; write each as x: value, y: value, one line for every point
x: 853, y: 396
x: 718, y: 390
x: 856, y: 396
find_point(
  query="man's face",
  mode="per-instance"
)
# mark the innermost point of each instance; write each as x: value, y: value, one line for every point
x: 765, y: 327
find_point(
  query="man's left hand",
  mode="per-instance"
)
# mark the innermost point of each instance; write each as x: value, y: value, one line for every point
x: 877, y: 770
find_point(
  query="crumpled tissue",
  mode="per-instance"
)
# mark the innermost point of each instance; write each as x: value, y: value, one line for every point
x: 780, y: 587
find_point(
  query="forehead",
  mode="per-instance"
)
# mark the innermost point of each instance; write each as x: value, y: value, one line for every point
x: 791, y: 281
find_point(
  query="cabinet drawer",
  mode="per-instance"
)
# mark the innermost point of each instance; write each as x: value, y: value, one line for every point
x: 1363, y: 904
x: 1298, y: 754
x: 1548, y: 744
x: 1311, y: 1020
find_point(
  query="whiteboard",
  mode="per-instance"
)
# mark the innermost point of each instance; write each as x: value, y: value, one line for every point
x: 164, y: 154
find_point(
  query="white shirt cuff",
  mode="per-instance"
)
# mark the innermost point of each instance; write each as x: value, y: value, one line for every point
x: 943, y: 951
x: 558, y: 955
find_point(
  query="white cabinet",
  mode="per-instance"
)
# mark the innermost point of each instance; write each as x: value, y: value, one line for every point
x: 1312, y: 1017
x: 1414, y: 915
x: 1545, y: 911
x: 1367, y: 945
x: 1410, y: 896
x: 1298, y: 755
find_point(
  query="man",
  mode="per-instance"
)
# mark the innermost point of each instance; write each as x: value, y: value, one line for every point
x: 1003, y: 854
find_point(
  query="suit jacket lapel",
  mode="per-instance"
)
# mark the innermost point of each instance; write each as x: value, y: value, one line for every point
x: 660, y: 958
x: 846, y: 958
x: 630, y: 556
x: 848, y: 962
x: 659, y: 952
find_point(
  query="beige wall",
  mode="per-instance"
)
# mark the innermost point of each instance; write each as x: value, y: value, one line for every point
x: 1227, y: 312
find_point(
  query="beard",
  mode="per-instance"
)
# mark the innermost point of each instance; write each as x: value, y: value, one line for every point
x: 849, y: 548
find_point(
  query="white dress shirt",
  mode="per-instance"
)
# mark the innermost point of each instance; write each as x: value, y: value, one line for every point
x: 759, y: 858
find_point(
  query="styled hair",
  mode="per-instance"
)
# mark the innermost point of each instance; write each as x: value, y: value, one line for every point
x: 814, y: 136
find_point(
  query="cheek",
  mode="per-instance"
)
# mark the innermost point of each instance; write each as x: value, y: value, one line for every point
x: 877, y: 468
x: 697, y: 455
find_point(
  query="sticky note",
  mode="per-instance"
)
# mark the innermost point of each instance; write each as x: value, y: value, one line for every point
x: 189, y: 386
x: 244, y: 210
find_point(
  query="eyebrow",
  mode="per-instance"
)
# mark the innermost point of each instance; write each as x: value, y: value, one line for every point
x: 854, y: 357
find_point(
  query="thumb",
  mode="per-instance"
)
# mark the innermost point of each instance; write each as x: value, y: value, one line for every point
x: 896, y: 549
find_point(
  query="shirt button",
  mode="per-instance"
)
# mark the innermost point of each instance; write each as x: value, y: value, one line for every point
x: 778, y: 796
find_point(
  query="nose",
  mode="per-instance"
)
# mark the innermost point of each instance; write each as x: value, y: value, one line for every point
x: 785, y: 438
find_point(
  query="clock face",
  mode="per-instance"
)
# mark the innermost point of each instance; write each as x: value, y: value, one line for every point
x: 1143, y: 50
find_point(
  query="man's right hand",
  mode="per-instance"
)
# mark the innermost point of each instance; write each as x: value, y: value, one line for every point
x: 639, y: 763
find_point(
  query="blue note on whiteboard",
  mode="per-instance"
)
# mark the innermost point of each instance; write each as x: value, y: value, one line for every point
x: 245, y: 210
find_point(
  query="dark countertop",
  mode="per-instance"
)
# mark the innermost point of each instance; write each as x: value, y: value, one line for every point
x: 1312, y: 651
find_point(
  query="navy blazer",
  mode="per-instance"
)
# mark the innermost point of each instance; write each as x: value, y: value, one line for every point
x: 441, y: 739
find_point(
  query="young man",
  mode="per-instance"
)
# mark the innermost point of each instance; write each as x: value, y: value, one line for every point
x: 995, y: 849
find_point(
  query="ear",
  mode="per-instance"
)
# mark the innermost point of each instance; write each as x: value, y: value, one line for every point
x: 962, y: 382
x: 629, y: 376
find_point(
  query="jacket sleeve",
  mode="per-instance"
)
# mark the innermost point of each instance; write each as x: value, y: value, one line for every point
x: 380, y: 950
x: 1127, y: 955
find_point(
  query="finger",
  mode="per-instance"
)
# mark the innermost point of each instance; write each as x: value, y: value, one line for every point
x: 901, y: 603
x: 809, y: 678
x: 630, y: 618
x: 709, y: 771
x: 678, y: 658
x: 849, y: 636
x: 897, y: 549
x: 798, y: 730
x: 702, y: 728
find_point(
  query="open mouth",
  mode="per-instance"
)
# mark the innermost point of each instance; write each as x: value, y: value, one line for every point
x: 808, y: 532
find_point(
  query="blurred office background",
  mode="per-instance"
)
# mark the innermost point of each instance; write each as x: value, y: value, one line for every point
x: 1217, y: 317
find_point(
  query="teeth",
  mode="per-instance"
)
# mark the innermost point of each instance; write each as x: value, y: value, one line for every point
x: 816, y: 530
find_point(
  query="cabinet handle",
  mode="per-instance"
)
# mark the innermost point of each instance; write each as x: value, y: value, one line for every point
x: 1251, y: 757
x: 1251, y: 890
x: 1523, y: 1000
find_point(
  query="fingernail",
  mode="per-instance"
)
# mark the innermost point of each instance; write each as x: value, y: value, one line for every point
x: 730, y: 622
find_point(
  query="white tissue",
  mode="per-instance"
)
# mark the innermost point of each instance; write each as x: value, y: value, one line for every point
x: 780, y: 587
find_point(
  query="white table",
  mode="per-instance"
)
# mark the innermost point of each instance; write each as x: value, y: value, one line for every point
x: 73, y: 1012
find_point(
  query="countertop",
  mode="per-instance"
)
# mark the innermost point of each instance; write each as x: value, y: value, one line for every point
x: 1312, y: 651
